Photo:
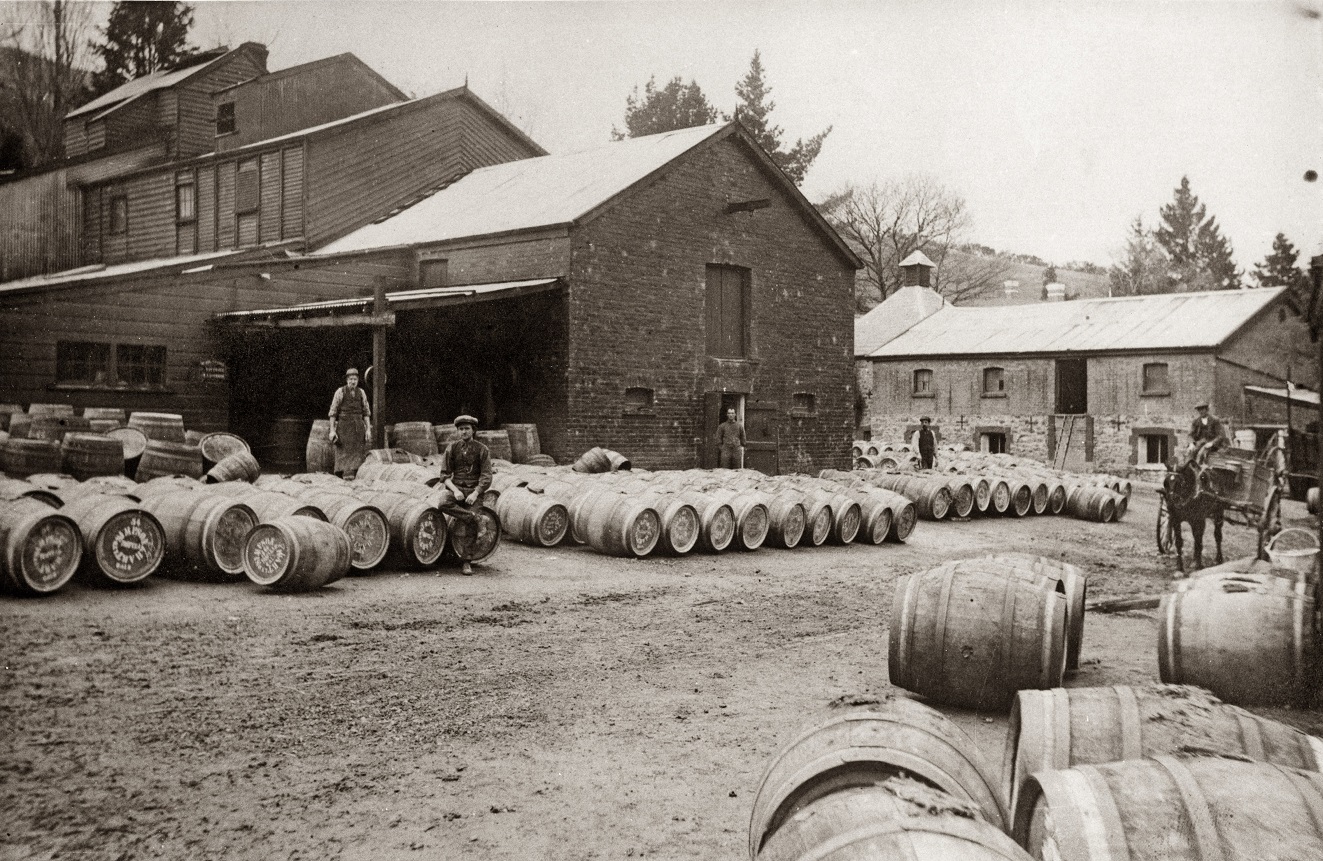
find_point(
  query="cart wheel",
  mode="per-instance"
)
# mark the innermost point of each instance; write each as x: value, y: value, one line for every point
x: 1166, y: 531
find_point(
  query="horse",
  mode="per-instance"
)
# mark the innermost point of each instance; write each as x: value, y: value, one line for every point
x: 1190, y: 498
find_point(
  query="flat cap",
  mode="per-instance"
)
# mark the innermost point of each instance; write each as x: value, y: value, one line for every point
x: 926, y: 419
x: 352, y: 372
x: 1201, y: 406
x: 466, y: 420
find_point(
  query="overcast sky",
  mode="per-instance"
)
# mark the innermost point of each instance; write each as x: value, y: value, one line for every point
x: 1057, y: 122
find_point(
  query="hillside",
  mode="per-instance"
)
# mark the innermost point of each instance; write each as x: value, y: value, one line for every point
x: 1079, y: 285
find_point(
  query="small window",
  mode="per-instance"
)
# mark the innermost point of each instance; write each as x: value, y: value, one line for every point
x: 186, y: 207
x: 994, y: 381
x: 923, y: 383
x: 119, y: 214
x: 225, y: 124
x: 1155, y: 379
x: 433, y: 273
x: 1154, y: 448
x: 82, y: 363
x: 638, y: 399
x: 803, y: 404
x: 992, y: 442
x: 246, y: 196
x: 140, y: 366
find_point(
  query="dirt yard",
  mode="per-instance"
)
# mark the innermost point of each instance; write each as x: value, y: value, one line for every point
x: 557, y: 705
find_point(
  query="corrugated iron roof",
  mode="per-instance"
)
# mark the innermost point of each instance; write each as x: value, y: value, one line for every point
x: 894, y: 315
x: 143, y: 85
x: 1297, y: 395
x: 98, y: 272
x: 427, y: 297
x: 520, y: 195
x: 1169, y: 321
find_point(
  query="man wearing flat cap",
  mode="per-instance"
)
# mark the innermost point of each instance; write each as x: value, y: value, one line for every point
x: 351, y: 426
x: 1206, y: 435
x: 926, y: 442
x: 466, y: 472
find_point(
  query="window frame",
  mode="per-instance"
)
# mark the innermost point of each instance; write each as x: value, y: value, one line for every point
x: 225, y: 114
x: 117, y: 203
x: 799, y: 409
x: 642, y: 407
x: 150, y: 366
x: 1144, y: 388
x: 186, y: 181
x: 1145, y: 440
x: 1000, y: 391
x: 254, y: 205
x: 927, y: 392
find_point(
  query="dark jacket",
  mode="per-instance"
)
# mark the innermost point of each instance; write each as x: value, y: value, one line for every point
x: 468, y: 463
x: 1199, y: 432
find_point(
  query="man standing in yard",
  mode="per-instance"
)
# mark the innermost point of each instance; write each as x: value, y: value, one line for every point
x: 466, y: 472
x: 926, y: 441
x: 351, y: 426
x: 730, y: 441
x: 1206, y: 435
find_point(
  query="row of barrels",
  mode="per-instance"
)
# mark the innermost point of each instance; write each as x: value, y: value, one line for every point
x: 674, y: 512
x: 940, y: 495
x: 118, y: 531
x: 973, y: 632
x: 126, y: 451
x: 1247, y: 630
x: 518, y: 443
x: 1089, y: 774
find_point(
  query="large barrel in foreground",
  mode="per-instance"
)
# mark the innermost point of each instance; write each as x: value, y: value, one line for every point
x: 204, y: 532
x: 973, y: 633
x: 40, y: 548
x: 122, y: 543
x: 296, y: 554
x: 861, y: 744
x: 1168, y: 808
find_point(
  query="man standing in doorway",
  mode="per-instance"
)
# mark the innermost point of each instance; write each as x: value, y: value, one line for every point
x: 730, y: 441
x: 351, y: 426
x: 927, y: 443
x: 466, y: 472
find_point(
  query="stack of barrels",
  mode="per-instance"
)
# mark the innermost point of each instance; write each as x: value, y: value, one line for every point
x: 999, y: 484
x: 1145, y: 773
x: 636, y: 513
x: 423, y: 442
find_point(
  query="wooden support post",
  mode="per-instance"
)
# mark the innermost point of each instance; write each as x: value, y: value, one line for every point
x: 379, y: 363
x: 1315, y: 315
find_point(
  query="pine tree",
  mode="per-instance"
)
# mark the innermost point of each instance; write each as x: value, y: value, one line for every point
x: 141, y: 38
x: 755, y: 113
x: 1200, y: 257
x: 1143, y: 269
x: 675, y: 106
x: 1278, y: 269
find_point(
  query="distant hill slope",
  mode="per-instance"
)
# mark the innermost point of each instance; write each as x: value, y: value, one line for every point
x: 1079, y: 285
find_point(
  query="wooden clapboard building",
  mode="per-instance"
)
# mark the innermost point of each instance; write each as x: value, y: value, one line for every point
x: 618, y: 296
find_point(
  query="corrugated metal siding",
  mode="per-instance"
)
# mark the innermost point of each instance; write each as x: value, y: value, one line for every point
x: 39, y: 226
x: 114, y: 246
x: 225, y: 205
x: 131, y: 124
x: 95, y: 135
x: 151, y: 217
x: 485, y: 142
x: 186, y: 236
x: 75, y: 138
x: 271, y: 192
x: 167, y: 117
x: 360, y: 174
x: 206, y: 209
x: 247, y: 229
x: 292, y: 217
x: 91, y: 238
x: 197, y: 112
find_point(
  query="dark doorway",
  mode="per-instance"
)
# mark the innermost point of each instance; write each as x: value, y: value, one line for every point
x: 715, y: 405
x: 1072, y: 387
x: 762, y: 430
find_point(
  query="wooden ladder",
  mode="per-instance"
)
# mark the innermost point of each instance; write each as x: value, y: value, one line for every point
x: 1065, y: 438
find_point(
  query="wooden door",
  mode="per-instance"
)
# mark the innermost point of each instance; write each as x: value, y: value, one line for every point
x: 707, y: 436
x: 1072, y: 386
x: 762, y: 432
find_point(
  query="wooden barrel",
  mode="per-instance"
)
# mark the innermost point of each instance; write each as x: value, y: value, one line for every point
x: 524, y: 443
x: 122, y: 543
x: 679, y: 522
x: 444, y: 435
x: 962, y: 496
x: 193, y: 437
x: 415, y: 438
x: 541, y: 460
x: 319, y: 454
x: 875, y: 515
x: 269, y: 505
x: 999, y: 495
x: 218, y: 445
x: 18, y: 425
x: 398, y: 472
x: 1076, y: 583
x: 240, y: 466
x: 388, y: 456
x: 87, y: 455
x: 57, y: 426
x: 286, y: 444
x: 204, y: 533
x: 818, y: 518
x: 168, y: 427
x: 103, y: 425
x: 114, y: 414
x: 1021, y: 496
x: 296, y: 554
x: 846, y: 518
x: 1166, y: 807
x: 904, y: 517
x: 982, y: 493
x: 134, y: 443
x: 166, y: 484
x: 786, y: 519
x: 369, y: 533
x: 474, y: 541
x: 1091, y: 503
x: 617, y: 525
x: 23, y: 457
x: 716, y: 521
x: 532, y: 518
x: 1065, y: 727
x: 932, y: 499
x: 417, y: 528
x: 498, y: 441
x: 594, y: 460
x: 894, y: 819
x: 162, y: 457
x: 1248, y: 638
x: 13, y: 488
x: 858, y: 745
x: 40, y: 548
x: 8, y: 410
x: 946, y: 645
x: 119, y: 485
x: 751, y: 518
x: 50, y: 409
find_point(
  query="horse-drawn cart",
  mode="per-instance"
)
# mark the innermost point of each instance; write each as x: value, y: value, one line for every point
x: 1246, y: 484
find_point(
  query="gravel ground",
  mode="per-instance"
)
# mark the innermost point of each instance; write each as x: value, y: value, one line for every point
x: 556, y: 705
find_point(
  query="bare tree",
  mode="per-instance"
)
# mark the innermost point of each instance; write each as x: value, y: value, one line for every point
x: 885, y: 222
x: 43, y: 71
